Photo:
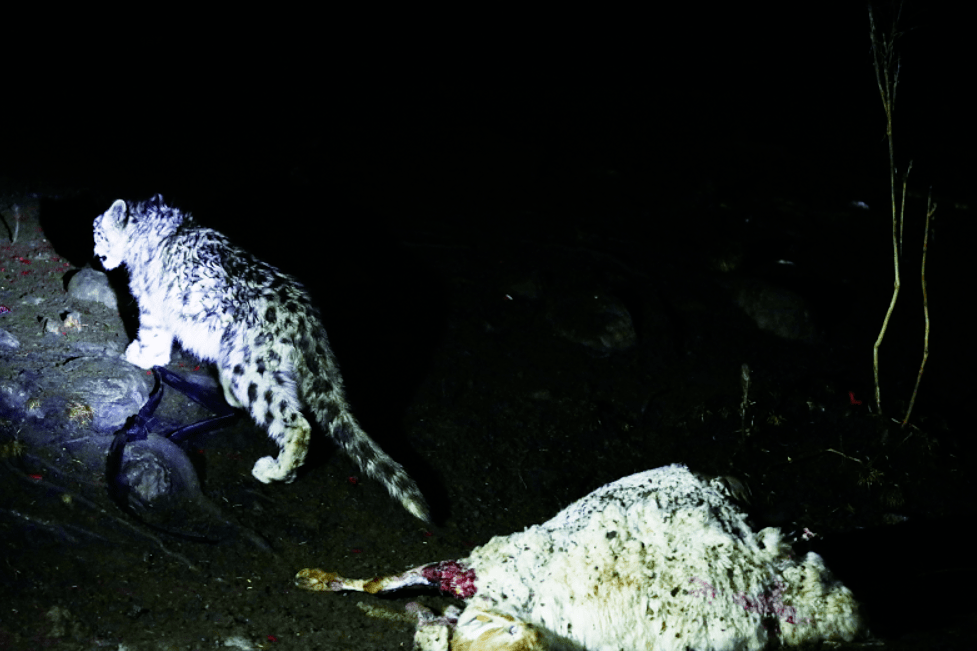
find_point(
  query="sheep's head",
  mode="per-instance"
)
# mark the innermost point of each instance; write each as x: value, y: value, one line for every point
x: 481, y: 629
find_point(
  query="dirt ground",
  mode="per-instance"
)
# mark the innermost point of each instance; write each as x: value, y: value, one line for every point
x: 512, y: 362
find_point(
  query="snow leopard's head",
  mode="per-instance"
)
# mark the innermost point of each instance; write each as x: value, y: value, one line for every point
x: 110, y: 235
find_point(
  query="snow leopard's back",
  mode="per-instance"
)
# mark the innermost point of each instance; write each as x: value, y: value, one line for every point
x: 256, y: 323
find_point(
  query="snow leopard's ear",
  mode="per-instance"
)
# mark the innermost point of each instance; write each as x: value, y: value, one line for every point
x: 118, y: 213
x: 157, y: 202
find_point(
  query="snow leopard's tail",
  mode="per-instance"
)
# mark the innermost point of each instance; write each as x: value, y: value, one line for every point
x: 376, y: 463
x: 323, y: 395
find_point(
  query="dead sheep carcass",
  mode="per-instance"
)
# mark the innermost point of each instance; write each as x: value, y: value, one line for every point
x: 659, y: 560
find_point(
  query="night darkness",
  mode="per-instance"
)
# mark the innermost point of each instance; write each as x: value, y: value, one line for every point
x: 448, y: 187
x: 438, y: 111
x: 505, y: 124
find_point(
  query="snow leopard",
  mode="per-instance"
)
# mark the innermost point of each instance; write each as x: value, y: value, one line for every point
x: 255, y: 323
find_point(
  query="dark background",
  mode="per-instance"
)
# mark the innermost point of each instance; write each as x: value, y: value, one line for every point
x: 333, y: 144
x: 317, y: 140
x: 388, y: 111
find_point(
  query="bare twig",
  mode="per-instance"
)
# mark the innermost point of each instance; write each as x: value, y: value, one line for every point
x: 930, y: 210
x: 902, y: 204
x: 887, y: 76
x: 843, y: 455
x: 745, y: 404
x: 887, y: 67
x: 10, y: 233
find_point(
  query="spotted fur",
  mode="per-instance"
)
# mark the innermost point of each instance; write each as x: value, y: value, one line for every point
x: 255, y: 323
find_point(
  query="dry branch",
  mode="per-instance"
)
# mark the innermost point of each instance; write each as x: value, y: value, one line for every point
x: 930, y: 210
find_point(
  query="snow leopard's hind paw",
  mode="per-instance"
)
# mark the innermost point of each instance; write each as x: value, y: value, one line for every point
x: 267, y: 470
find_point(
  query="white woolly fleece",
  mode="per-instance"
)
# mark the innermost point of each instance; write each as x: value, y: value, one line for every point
x: 658, y: 560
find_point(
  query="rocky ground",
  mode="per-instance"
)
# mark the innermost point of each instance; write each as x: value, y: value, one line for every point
x: 513, y: 362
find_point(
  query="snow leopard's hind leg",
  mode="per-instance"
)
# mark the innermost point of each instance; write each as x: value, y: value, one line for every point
x: 226, y: 380
x: 273, y: 403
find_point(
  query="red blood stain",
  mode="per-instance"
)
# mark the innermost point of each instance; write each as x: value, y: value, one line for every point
x: 451, y: 577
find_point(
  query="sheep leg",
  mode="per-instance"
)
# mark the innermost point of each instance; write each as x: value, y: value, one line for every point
x: 451, y: 577
x: 320, y: 581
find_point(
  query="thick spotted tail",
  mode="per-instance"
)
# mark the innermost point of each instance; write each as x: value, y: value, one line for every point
x: 322, y: 392
x: 377, y: 465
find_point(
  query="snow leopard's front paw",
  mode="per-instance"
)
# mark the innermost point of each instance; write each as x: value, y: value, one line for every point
x: 267, y: 470
x: 138, y: 355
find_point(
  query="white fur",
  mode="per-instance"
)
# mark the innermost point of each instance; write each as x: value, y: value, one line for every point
x: 659, y: 560
x: 662, y: 560
x: 255, y: 323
